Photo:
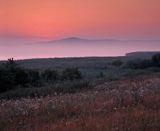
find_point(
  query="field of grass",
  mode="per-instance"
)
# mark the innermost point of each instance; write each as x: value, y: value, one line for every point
x: 80, y: 94
x: 127, y: 104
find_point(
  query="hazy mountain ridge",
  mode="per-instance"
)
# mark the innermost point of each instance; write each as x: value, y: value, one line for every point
x: 78, y: 39
x: 142, y: 54
x: 81, y: 40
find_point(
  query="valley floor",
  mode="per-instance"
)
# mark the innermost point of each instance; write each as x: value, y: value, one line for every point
x: 131, y: 104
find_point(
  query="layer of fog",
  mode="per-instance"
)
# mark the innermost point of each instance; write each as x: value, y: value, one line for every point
x: 24, y: 49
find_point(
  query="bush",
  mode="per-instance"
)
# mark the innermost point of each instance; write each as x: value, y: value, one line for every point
x: 50, y: 89
x: 6, y: 80
x: 21, y: 77
x: 156, y: 60
x: 139, y: 64
x: 33, y: 77
x: 11, y: 75
x: 50, y: 75
x: 117, y: 63
x: 71, y: 74
x: 100, y: 75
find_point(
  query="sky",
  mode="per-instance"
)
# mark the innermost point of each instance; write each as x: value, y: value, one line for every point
x: 83, y: 18
x: 24, y: 24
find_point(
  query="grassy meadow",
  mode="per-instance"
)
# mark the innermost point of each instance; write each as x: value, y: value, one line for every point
x: 75, y: 94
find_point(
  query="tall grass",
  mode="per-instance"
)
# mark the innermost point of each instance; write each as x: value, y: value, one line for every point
x: 122, y: 105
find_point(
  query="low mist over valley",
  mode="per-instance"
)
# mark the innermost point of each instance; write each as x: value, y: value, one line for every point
x: 25, y: 48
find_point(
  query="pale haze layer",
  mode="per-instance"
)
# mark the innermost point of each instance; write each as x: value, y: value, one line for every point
x: 91, y: 19
x: 21, y: 49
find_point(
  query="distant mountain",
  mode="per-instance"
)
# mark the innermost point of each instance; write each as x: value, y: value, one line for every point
x: 72, y: 39
x: 141, y: 54
x: 81, y: 40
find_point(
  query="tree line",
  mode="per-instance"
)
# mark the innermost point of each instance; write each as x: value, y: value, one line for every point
x: 144, y: 63
x: 12, y: 76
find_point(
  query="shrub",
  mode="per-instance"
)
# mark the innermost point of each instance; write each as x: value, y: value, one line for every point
x: 50, y: 89
x: 117, y: 63
x: 33, y: 77
x: 21, y: 76
x: 71, y: 74
x: 100, y: 75
x: 6, y: 79
x: 50, y: 75
x: 156, y: 60
x: 139, y: 64
x: 71, y: 87
x: 11, y: 75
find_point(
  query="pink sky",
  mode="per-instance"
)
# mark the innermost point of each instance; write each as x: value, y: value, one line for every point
x: 84, y: 18
x: 90, y: 19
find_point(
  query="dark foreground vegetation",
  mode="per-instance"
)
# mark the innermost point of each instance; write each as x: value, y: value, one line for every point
x: 118, y: 95
x: 13, y: 77
x: 145, y: 63
x: 130, y: 104
x: 18, y: 81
